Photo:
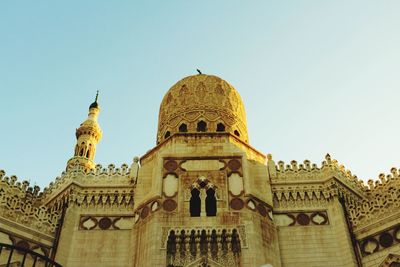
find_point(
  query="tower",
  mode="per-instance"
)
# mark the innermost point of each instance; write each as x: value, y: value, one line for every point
x: 88, y: 136
x: 203, y: 195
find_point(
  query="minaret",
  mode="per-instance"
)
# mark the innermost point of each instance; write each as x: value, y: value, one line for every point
x: 87, y: 136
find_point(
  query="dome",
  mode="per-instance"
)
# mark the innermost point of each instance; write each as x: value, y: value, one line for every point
x: 202, y: 103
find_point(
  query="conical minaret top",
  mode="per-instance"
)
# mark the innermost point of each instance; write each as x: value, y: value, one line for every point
x: 88, y: 136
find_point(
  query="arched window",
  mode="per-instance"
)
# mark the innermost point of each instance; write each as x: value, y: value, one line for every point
x: 183, y: 128
x: 195, y: 203
x: 167, y: 134
x: 81, y: 153
x: 220, y: 127
x: 236, y: 132
x: 211, y: 203
x: 201, y: 126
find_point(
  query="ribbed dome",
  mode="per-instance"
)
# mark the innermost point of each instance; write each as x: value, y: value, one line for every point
x: 202, y: 100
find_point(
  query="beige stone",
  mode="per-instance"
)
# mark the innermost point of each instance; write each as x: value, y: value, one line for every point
x: 202, y: 195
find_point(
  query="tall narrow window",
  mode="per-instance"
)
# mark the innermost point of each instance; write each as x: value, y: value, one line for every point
x: 195, y: 203
x: 211, y: 203
x: 201, y: 126
x: 183, y: 128
x: 220, y: 127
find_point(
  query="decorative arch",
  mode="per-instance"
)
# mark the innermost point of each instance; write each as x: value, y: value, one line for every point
x: 203, y: 192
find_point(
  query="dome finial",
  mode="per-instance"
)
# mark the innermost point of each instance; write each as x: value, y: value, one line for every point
x: 95, y: 104
x: 199, y: 71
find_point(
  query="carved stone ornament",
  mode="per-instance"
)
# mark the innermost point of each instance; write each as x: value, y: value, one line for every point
x: 145, y: 212
x: 234, y: 164
x: 105, y: 223
x: 169, y: 205
x: 237, y: 204
x: 171, y: 165
x: 303, y: 219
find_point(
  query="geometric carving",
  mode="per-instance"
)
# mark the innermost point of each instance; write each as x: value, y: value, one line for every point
x: 202, y: 165
x: 145, y: 211
x: 396, y: 234
x: 385, y: 240
x: 123, y: 223
x: 251, y: 204
x: 170, y: 185
x: 204, y: 98
x: 235, y: 184
x: 370, y: 246
x: 303, y: 219
x: 380, y: 241
x: 237, y: 204
x: 262, y: 210
x: 392, y: 260
x: 234, y: 164
x: 89, y: 223
x: 284, y: 220
x: 169, y: 205
x: 207, y: 247
x: 105, y: 223
x: 319, y: 218
x: 171, y: 165
x: 154, y: 206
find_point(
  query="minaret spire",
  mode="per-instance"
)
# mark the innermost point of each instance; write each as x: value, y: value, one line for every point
x: 88, y: 136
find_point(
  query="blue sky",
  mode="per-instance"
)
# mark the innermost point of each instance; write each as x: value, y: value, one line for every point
x: 315, y: 76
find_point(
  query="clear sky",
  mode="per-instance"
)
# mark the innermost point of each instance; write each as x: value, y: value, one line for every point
x: 315, y: 76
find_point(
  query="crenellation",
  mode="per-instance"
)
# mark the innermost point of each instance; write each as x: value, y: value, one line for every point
x: 203, y: 196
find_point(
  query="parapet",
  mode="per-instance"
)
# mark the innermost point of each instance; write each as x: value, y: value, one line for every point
x: 23, y: 204
x: 311, y: 172
x: 382, y: 200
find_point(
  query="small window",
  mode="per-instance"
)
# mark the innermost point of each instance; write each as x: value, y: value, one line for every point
x: 167, y: 134
x: 211, y: 203
x: 195, y: 203
x: 201, y: 126
x: 183, y: 128
x: 236, y: 132
x: 220, y: 127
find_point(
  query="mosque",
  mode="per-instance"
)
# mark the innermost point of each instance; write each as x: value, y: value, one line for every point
x: 202, y: 196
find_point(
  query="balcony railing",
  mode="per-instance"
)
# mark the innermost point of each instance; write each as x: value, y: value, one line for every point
x: 13, y: 256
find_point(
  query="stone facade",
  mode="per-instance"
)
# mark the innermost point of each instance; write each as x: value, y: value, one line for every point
x: 201, y: 197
